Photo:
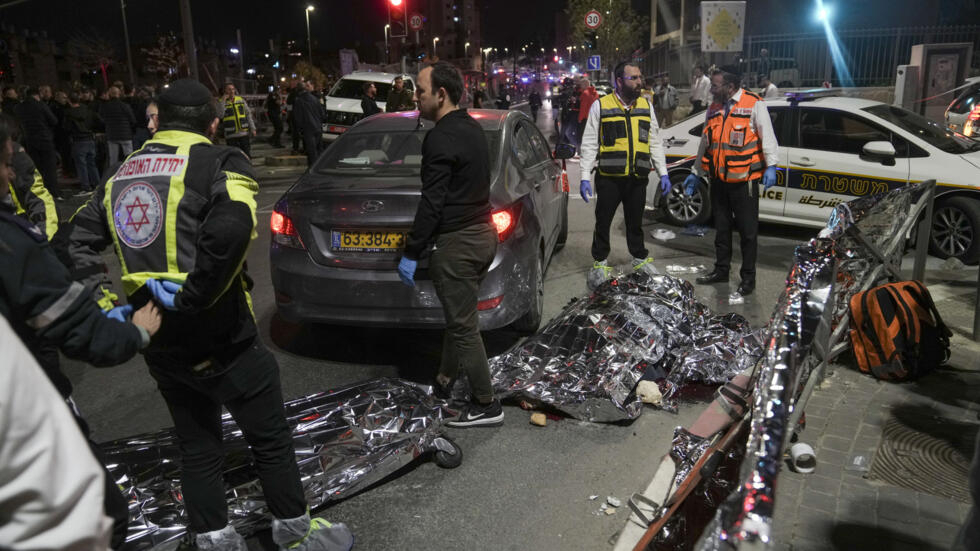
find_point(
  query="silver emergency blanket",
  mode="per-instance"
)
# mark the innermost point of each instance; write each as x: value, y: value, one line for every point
x: 587, y: 361
x: 826, y: 274
x: 345, y: 439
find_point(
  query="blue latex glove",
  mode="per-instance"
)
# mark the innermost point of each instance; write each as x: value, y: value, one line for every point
x: 164, y: 292
x: 665, y: 184
x: 120, y: 313
x: 691, y: 183
x: 406, y: 270
x: 769, y: 178
x: 585, y: 188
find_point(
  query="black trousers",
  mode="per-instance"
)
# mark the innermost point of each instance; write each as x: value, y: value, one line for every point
x: 276, y: 138
x: 249, y: 388
x: 243, y: 143
x: 311, y: 143
x: 610, y: 192
x: 736, y: 206
x: 697, y: 107
x: 46, y: 160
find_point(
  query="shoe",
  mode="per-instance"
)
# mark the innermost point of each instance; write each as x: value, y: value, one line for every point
x: 479, y: 415
x: 226, y: 539
x: 713, y: 277
x: 306, y: 534
x: 443, y: 391
x: 746, y: 287
x: 645, y: 265
x: 599, y: 274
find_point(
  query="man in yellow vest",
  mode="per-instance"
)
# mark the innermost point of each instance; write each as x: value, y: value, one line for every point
x: 180, y: 214
x: 622, y: 141
x: 738, y: 150
x: 237, y: 122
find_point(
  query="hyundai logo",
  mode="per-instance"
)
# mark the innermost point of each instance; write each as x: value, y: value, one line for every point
x: 372, y: 205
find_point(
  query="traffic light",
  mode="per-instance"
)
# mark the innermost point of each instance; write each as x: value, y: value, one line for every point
x: 398, y: 18
x: 591, y: 40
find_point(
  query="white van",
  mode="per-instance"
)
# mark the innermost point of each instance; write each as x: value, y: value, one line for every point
x: 343, y: 103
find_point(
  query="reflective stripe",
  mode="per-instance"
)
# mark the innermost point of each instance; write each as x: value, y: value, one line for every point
x: 623, y: 154
x: 617, y: 112
x: 50, y: 211
x: 175, y: 193
x: 58, y: 308
x: 640, y: 112
x: 724, y: 160
x: 18, y: 209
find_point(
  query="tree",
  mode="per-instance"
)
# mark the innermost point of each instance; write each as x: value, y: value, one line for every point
x: 619, y: 35
x: 92, y: 52
x: 166, y: 58
x: 311, y: 73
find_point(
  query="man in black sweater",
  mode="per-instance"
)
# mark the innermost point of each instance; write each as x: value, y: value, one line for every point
x: 454, y: 215
x: 308, y: 118
x: 38, y: 124
x: 81, y: 123
x: 119, y: 123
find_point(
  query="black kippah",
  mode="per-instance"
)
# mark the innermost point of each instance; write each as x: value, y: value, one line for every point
x: 731, y: 69
x: 186, y: 92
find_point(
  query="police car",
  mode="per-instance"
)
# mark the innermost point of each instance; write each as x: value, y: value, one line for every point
x: 343, y: 102
x: 833, y: 149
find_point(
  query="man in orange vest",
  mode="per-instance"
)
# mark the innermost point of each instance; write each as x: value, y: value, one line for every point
x: 738, y: 149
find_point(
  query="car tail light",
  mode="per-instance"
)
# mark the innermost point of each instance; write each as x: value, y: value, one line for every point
x: 489, y: 304
x: 505, y: 220
x: 283, y: 230
x: 974, y: 114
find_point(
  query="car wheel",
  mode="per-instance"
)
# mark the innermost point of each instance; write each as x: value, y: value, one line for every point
x: 681, y: 209
x: 531, y: 320
x: 956, y: 230
x: 563, y: 233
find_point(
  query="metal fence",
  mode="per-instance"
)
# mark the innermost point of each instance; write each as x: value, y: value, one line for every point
x: 872, y: 55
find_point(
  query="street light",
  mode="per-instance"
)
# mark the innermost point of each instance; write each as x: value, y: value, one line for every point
x: 387, y: 28
x: 309, y: 41
x: 466, y: 49
x: 434, y: 40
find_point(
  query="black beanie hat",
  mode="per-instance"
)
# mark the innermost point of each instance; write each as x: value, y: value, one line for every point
x: 186, y: 92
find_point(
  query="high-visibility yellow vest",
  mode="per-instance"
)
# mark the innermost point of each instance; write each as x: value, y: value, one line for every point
x: 624, y: 137
x: 733, y: 152
x: 235, y: 121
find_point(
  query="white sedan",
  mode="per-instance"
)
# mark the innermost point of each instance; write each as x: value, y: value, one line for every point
x: 833, y: 149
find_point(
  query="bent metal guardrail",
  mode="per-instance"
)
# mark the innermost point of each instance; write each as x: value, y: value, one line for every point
x: 862, y: 244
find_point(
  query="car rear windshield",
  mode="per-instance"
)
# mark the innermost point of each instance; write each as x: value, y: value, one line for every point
x: 929, y: 131
x: 383, y: 153
x: 354, y: 89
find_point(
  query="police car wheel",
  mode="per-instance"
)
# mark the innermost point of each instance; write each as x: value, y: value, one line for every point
x: 683, y: 210
x: 956, y: 229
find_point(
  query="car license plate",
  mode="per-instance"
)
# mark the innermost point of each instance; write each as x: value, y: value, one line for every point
x: 380, y: 241
x: 338, y: 129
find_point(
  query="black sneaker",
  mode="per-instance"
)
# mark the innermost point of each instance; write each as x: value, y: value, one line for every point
x: 479, y: 415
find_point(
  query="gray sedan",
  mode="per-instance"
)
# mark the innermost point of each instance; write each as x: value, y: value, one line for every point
x: 338, y: 233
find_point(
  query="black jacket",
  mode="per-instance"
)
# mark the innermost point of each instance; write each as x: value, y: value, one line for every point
x: 308, y: 114
x: 46, y: 308
x: 369, y: 106
x: 119, y: 120
x: 455, y: 180
x: 38, y: 123
x: 81, y: 122
x: 272, y: 106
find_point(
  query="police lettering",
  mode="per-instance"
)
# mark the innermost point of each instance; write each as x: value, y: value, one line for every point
x: 842, y: 184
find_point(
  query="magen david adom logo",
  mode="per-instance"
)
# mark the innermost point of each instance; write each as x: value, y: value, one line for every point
x: 138, y: 215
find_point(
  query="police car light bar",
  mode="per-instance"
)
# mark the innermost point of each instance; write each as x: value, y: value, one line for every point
x: 811, y: 94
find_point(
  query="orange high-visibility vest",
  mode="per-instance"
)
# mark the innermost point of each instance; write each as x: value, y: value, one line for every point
x: 733, y: 152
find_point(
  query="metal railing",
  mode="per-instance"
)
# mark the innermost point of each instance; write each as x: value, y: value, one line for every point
x: 803, y: 59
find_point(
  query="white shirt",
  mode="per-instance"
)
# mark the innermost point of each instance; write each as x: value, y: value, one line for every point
x: 590, y: 142
x: 770, y: 91
x: 701, y: 90
x: 761, y: 125
x: 51, y: 486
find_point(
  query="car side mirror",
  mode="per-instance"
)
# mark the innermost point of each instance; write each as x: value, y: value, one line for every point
x: 881, y: 151
x: 564, y: 151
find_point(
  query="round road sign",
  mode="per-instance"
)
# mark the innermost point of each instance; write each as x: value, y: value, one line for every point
x: 593, y: 19
x: 415, y: 22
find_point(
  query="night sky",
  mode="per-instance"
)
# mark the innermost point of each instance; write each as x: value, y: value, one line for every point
x: 347, y: 23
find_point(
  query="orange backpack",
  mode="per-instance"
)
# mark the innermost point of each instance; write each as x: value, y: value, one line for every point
x: 896, y: 331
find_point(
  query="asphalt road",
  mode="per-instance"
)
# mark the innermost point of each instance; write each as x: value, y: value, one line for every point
x: 520, y: 486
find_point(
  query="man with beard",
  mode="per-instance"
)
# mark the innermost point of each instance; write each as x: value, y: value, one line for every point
x: 622, y: 139
x: 738, y: 151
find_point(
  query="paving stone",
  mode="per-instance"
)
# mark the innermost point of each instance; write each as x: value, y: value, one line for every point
x: 826, y: 457
x: 897, y: 510
x: 893, y: 528
x: 941, y: 533
x: 813, y: 524
x: 823, y: 502
x: 823, y: 484
x: 811, y: 545
x: 935, y: 508
x: 835, y: 443
x: 847, y: 432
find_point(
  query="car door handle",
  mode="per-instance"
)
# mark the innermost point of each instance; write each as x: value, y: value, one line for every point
x: 804, y: 161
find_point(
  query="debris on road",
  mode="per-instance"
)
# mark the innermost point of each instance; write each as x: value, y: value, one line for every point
x: 684, y: 269
x: 539, y: 419
x: 614, y: 502
x: 649, y: 393
x: 593, y: 497
x: 662, y: 234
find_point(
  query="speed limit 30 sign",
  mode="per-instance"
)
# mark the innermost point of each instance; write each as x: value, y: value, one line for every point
x: 593, y: 19
x: 415, y: 22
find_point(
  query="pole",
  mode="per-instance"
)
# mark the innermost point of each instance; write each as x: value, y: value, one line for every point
x: 241, y: 58
x: 129, y: 55
x: 189, y: 47
x: 387, y: 52
x: 309, y: 41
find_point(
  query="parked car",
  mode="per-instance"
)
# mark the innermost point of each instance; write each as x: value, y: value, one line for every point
x: 343, y: 102
x: 963, y: 112
x: 338, y: 233
x: 833, y: 149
